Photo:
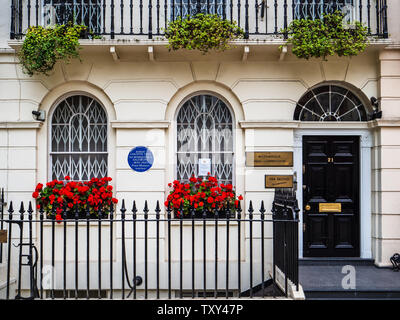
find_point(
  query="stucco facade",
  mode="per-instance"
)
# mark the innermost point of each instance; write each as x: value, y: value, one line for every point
x: 142, y: 93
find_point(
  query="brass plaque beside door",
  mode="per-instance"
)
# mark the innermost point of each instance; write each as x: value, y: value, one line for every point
x: 280, y: 181
x: 269, y: 159
x: 330, y: 207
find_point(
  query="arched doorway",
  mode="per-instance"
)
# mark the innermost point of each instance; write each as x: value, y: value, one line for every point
x: 331, y: 165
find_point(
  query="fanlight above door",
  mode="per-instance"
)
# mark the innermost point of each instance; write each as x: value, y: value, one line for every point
x: 330, y: 103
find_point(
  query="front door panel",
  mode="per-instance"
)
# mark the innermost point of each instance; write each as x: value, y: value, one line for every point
x: 331, y: 175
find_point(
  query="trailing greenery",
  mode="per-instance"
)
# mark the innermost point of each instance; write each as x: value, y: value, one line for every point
x: 326, y: 37
x: 43, y: 47
x: 202, y: 32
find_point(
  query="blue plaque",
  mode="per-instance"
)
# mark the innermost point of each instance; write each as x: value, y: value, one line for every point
x: 140, y: 159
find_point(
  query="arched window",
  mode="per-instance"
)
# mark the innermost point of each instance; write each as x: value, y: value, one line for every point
x: 330, y: 103
x: 205, y: 134
x: 78, y: 143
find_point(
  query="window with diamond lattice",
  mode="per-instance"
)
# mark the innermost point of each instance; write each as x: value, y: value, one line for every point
x: 316, y: 9
x: 330, y: 103
x: 205, y: 131
x: 78, y: 139
x: 86, y: 12
x: 183, y: 8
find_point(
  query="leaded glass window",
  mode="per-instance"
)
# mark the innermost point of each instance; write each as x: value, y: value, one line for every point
x: 330, y: 103
x: 86, y: 12
x: 315, y: 9
x: 205, y: 131
x: 182, y: 8
x: 78, y: 139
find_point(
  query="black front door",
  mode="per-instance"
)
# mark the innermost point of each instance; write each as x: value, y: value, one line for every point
x: 331, y: 196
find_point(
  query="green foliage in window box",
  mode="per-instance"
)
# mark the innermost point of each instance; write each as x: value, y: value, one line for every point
x: 326, y: 37
x: 43, y: 47
x: 202, y: 32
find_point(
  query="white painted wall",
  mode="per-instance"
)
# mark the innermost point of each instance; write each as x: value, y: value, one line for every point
x: 142, y: 97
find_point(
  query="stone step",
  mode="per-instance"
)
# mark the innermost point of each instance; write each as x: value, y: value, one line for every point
x: 12, y: 290
x: 335, y: 262
x: 352, y: 295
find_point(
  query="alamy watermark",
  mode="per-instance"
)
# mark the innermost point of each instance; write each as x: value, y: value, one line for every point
x: 349, y: 280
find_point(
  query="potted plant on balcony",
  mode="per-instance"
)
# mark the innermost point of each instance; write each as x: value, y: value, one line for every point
x: 326, y: 37
x: 202, y: 32
x: 94, y: 196
x: 43, y: 47
x: 202, y: 196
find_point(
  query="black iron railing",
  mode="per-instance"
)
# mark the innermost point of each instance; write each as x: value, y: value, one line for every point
x: 286, y: 235
x: 147, y: 254
x: 148, y: 18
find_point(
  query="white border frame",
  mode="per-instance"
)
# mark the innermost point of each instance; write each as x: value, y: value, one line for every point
x: 365, y: 180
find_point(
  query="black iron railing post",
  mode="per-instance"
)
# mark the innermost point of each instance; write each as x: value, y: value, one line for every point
x: 251, y: 210
x: 204, y: 255
x: 276, y: 16
x: 99, y: 217
x: 369, y: 16
x: 10, y: 217
x: 37, y: 12
x: 285, y: 268
x: 158, y: 16
x: 150, y: 19
x: 76, y: 251
x: 216, y: 255
x: 122, y: 16
x: 87, y: 252
x: 111, y: 248
x: 285, y: 18
x: 246, y: 23
x: 239, y: 211
x: 262, y: 212
x: 377, y: 9
x: 169, y: 249
x: 123, y: 210
x: 31, y: 263
x: 193, y: 214
x: 158, y: 210
x: 53, y: 250
x: 385, y: 27
x: 181, y: 251
x: 227, y: 214
x: 64, y: 216
x: 29, y: 12
x: 21, y: 230
x: 19, y: 18
x: 112, y: 32
x: 146, y: 236
x: 256, y: 7
x: 41, y: 217
x: 134, y: 211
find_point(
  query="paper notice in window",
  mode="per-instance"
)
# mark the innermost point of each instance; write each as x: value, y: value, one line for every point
x: 204, y: 166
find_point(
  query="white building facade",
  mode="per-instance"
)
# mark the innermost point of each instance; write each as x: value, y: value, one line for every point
x: 132, y: 91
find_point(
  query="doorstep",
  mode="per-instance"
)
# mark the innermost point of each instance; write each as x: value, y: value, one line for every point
x: 322, y: 279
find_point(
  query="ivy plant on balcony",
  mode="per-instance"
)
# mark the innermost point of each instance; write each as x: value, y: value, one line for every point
x: 325, y: 37
x: 43, y: 47
x: 202, y: 32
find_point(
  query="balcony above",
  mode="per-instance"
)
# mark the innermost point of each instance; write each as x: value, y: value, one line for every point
x: 147, y: 19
